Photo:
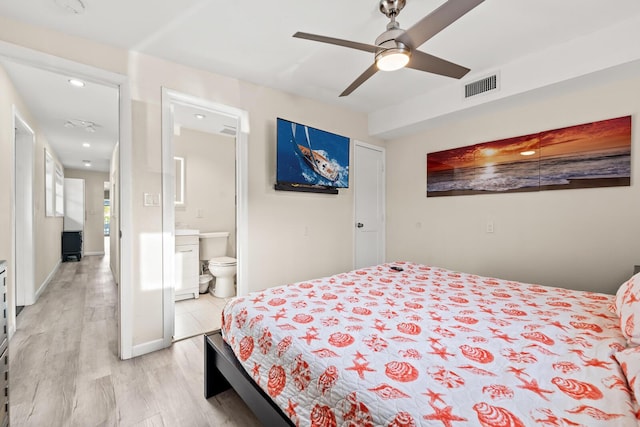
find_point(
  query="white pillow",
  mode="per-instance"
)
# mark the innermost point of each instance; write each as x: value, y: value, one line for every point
x: 629, y: 360
x: 627, y: 306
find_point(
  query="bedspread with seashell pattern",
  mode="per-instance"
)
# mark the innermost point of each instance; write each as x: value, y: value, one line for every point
x: 427, y: 346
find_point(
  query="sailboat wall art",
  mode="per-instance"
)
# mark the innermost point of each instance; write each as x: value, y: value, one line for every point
x: 590, y: 155
x: 310, y: 158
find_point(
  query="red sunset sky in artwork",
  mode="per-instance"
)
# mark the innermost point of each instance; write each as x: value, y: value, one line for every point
x: 605, y: 135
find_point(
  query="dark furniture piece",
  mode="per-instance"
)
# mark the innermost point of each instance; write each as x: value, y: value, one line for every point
x: 71, y: 245
x: 222, y: 371
x: 636, y: 269
x: 4, y: 350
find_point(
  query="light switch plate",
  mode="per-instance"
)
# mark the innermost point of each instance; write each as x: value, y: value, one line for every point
x: 151, y: 199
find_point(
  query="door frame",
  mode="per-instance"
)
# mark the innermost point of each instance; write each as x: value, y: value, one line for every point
x: 169, y: 98
x: 57, y: 64
x: 23, y: 268
x: 382, y: 199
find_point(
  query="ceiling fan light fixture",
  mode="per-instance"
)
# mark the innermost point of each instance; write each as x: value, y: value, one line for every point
x: 393, y: 59
x: 397, y: 48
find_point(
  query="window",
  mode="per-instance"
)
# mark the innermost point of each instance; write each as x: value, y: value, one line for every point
x: 48, y: 184
x: 59, y: 191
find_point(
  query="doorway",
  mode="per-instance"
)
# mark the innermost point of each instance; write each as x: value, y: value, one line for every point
x: 106, y: 223
x: 369, y: 199
x: 204, y: 146
x: 41, y: 62
x: 237, y: 124
x: 24, y: 255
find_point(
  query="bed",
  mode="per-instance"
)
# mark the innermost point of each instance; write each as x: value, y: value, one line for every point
x: 404, y: 344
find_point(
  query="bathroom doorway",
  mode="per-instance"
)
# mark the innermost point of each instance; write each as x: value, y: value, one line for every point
x: 106, y: 203
x: 204, y: 147
x: 204, y: 191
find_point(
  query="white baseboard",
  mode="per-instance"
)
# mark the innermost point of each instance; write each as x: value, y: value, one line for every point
x: 44, y: 284
x: 148, y: 347
x: 93, y: 253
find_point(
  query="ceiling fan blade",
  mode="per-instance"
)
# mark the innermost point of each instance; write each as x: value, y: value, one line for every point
x: 436, y: 21
x: 432, y: 64
x: 339, y: 42
x: 361, y: 79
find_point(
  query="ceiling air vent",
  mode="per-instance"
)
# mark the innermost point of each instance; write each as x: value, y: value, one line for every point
x: 481, y: 86
x: 228, y: 130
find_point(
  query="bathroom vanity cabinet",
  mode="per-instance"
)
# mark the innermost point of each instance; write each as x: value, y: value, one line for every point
x: 187, y: 268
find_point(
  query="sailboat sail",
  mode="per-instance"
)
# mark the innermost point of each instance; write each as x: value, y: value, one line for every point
x: 318, y: 162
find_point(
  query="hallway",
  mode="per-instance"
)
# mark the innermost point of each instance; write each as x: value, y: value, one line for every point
x: 64, y: 369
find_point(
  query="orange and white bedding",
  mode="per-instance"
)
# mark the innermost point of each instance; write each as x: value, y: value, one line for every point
x: 431, y: 347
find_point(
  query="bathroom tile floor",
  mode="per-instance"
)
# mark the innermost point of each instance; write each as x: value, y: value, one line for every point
x: 196, y: 316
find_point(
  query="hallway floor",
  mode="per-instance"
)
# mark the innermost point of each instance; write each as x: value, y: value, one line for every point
x: 64, y: 369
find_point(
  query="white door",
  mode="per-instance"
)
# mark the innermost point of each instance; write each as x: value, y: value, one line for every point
x: 24, y: 247
x: 368, y: 170
x: 73, y: 204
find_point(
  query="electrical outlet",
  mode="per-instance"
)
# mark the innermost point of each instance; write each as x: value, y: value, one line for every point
x: 489, y: 226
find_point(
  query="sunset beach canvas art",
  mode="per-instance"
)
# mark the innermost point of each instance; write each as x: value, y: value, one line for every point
x: 596, y: 154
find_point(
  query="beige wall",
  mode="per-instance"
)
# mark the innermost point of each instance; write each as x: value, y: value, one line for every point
x: 47, y: 230
x: 147, y: 224
x: 292, y: 236
x: 583, y: 239
x: 210, y: 180
x: 578, y: 238
x: 280, y: 250
x: 93, y: 235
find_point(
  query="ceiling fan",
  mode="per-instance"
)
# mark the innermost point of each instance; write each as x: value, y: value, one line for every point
x: 396, y: 48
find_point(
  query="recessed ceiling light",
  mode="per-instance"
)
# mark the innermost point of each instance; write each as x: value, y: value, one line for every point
x: 86, y: 144
x: 76, y: 83
x: 528, y: 153
x: 87, y: 163
x: 199, y: 116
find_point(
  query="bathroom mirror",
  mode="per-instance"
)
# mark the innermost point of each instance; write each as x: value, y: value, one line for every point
x: 179, y: 174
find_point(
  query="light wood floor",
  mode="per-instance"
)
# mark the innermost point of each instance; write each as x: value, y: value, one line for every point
x: 64, y: 369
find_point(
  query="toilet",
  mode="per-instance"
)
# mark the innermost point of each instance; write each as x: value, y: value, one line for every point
x: 213, y: 251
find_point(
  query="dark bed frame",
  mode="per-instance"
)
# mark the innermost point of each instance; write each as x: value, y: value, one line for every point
x: 222, y: 371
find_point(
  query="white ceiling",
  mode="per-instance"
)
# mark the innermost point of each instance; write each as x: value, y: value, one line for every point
x: 53, y: 101
x: 251, y: 39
